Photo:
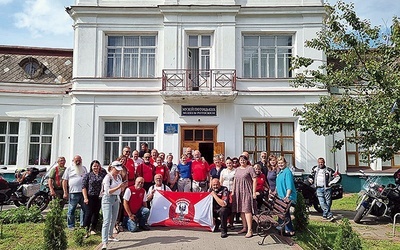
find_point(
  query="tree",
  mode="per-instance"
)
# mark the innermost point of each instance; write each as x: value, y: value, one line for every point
x: 54, y: 234
x: 362, y: 78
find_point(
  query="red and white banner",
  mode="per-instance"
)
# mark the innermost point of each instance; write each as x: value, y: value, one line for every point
x: 181, y: 209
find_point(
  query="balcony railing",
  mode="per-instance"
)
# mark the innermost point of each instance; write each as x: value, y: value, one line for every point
x: 199, y: 80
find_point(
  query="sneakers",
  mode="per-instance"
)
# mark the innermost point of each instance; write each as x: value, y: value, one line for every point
x: 104, y: 247
x: 329, y: 218
x: 93, y: 232
x: 224, y: 234
x: 217, y: 224
x: 113, y: 239
x: 145, y: 228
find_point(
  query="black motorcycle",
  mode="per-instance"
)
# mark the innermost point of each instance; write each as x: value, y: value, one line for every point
x: 377, y: 199
x: 309, y: 193
x: 19, y: 192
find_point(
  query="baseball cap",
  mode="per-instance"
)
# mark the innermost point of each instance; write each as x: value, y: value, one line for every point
x: 117, y: 165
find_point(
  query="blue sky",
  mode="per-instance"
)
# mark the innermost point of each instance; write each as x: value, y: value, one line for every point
x: 44, y: 23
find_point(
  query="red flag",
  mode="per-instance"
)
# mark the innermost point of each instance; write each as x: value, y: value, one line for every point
x: 181, y: 209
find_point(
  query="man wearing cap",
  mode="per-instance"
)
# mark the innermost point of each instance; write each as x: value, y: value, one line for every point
x: 72, y: 186
x: 135, y: 204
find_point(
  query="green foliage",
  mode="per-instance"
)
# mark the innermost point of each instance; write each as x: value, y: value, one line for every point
x: 21, y: 215
x: 362, y: 78
x: 346, y: 238
x: 54, y: 234
x: 319, y: 240
x: 348, y: 202
x: 301, y: 214
x: 78, y: 235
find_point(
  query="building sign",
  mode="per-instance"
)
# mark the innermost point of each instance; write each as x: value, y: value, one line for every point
x: 199, y: 110
x: 170, y: 128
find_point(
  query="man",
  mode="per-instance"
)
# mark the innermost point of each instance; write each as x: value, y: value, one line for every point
x: 136, y: 159
x: 146, y: 170
x: 144, y: 148
x: 158, y: 178
x: 263, y: 163
x: 129, y: 165
x: 200, y: 170
x: 72, y: 186
x: 55, y: 180
x: 320, y: 177
x: 135, y: 205
x: 154, y: 155
x: 220, y: 206
x: 189, y: 154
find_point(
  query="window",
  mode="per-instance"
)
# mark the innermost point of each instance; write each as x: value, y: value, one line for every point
x: 267, y: 56
x: 353, y: 152
x: 120, y: 134
x: 32, y: 67
x: 40, y: 143
x: 131, y: 56
x: 272, y: 137
x: 8, y: 143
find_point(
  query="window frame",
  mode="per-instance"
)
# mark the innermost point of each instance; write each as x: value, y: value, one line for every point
x: 264, y: 72
x: 138, y: 70
x: 121, y: 143
x: 41, y: 143
x: 7, y: 144
x: 255, y: 152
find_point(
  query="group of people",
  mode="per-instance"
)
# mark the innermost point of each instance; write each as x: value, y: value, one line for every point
x: 237, y: 186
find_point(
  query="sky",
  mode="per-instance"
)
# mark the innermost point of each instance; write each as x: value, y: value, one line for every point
x: 44, y: 23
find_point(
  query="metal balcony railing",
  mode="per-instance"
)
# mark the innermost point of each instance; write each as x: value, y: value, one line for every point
x: 199, y: 80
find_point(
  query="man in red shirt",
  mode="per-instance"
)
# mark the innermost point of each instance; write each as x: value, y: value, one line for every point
x: 146, y: 170
x: 129, y: 165
x: 200, y: 169
x: 135, y: 205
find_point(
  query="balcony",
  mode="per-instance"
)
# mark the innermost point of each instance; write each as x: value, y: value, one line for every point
x: 217, y: 85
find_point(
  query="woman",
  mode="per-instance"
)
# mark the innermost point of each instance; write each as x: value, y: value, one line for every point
x: 125, y: 177
x: 286, y: 190
x: 112, y: 187
x: 185, y: 173
x: 273, y: 170
x: 162, y: 169
x: 244, y: 195
x: 91, y: 188
x: 226, y: 179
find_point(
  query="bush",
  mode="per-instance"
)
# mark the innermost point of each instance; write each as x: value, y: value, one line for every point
x: 21, y: 215
x: 78, y: 235
x: 301, y: 215
x: 54, y: 234
x: 346, y: 238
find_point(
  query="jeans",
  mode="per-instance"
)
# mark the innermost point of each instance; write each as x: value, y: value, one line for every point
x: 325, y: 200
x: 92, y: 212
x: 289, y: 226
x: 141, y: 217
x: 110, y: 207
x: 74, y: 200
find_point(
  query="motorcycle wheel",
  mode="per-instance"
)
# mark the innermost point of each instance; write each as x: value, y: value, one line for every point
x: 359, y: 214
x: 317, y: 206
x: 39, y: 199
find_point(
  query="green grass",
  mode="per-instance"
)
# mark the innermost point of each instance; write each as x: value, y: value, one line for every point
x: 29, y: 236
x: 348, y: 202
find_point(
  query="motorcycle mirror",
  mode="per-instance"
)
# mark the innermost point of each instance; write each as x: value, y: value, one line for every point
x: 361, y: 171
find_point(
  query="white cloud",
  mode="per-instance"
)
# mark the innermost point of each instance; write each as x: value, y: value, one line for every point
x: 5, y: 1
x: 44, y: 17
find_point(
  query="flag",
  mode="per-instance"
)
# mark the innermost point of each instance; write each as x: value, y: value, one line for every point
x: 181, y: 209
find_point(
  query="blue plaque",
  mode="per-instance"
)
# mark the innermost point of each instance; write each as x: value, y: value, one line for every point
x: 170, y: 128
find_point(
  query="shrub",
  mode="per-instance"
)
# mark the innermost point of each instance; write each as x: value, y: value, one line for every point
x: 21, y: 215
x: 54, y: 234
x: 346, y: 238
x: 301, y: 215
x: 78, y: 235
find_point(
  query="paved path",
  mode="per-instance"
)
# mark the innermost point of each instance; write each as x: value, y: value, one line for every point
x: 171, y: 238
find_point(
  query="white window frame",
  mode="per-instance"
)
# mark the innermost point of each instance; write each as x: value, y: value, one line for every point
x: 41, y: 142
x: 143, y: 54
x: 8, y: 137
x: 263, y: 71
x: 122, y: 142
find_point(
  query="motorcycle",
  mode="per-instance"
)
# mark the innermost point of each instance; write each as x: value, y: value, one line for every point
x: 377, y: 199
x: 19, y: 192
x: 309, y: 193
x: 42, y: 197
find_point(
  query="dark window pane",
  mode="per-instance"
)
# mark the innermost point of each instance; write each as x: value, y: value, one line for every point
x: 2, y: 153
x: 35, y: 128
x: 13, y: 139
x: 2, y: 139
x: 3, y: 128
x: 46, y: 153
x: 198, y: 135
x: 33, y: 154
x: 34, y: 139
x: 12, y: 154
x: 208, y: 135
x: 127, y: 139
x: 188, y: 135
x: 107, y: 156
x: 47, y: 128
x: 146, y: 127
x: 14, y: 128
x: 111, y: 138
x: 112, y: 128
x: 46, y: 139
x: 129, y: 128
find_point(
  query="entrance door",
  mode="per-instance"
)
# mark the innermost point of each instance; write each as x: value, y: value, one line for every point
x: 202, y: 138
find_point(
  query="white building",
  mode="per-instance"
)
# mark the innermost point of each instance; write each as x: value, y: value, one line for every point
x: 212, y: 75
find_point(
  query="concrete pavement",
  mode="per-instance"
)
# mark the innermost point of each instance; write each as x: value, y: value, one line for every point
x: 187, y: 238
